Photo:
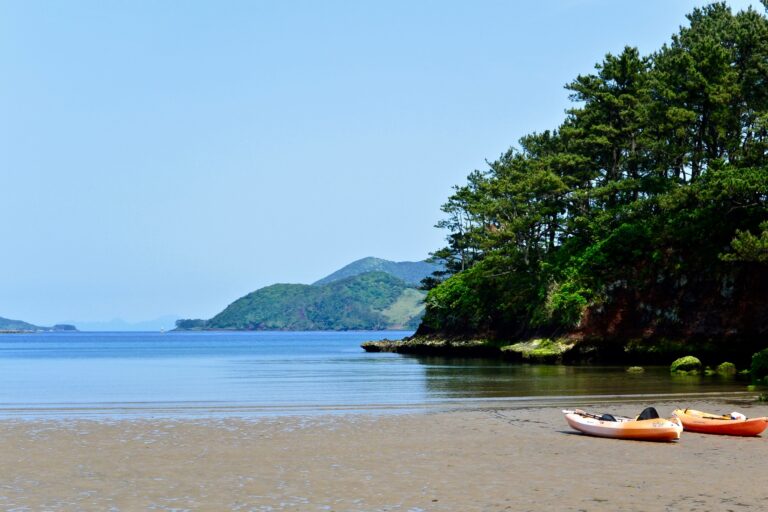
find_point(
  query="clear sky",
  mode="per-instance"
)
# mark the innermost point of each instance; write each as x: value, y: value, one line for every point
x: 169, y: 157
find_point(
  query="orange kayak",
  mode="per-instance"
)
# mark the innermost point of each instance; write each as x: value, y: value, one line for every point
x: 619, y: 427
x: 697, y: 421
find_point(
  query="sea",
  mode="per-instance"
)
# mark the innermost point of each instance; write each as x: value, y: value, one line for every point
x: 256, y: 374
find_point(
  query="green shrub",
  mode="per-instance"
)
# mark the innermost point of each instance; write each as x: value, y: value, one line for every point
x: 564, y: 304
x: 635, y: 369
x: 760, y: 365
x: 685, y: 364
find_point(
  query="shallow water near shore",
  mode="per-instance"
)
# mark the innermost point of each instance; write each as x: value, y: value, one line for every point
x: 102, y: 375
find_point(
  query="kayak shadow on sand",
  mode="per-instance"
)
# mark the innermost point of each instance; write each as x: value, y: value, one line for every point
x: 599, y: 439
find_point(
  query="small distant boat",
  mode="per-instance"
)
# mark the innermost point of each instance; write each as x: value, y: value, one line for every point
x: 729, y: 424
x: 648, y: 426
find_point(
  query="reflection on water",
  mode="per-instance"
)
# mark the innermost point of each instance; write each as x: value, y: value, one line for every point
x: 473, y: 378
x: 64, y: 374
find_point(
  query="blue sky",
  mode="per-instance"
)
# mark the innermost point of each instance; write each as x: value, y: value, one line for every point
x: 168, y: 157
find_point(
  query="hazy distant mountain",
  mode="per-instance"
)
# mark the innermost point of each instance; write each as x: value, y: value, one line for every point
x: 412, y: 272
x: 6, y: 324
x: 166, y: 322
x: 369, y: 301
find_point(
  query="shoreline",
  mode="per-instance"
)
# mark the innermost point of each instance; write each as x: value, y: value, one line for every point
x: 214, y: 412
x: 483, y: 458
x: 569, y: 349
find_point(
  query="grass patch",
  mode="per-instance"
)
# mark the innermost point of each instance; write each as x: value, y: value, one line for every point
x: 408, y: 305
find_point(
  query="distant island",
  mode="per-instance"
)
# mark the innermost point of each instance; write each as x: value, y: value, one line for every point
x: 17, y: 326
x: 368, y: 294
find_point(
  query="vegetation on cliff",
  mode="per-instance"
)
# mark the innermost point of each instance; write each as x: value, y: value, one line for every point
x: 640, y: 223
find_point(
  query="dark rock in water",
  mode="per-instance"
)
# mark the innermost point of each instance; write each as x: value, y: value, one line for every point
x: 435, y: 347
x: 381, y: 346
x: 688, y: 364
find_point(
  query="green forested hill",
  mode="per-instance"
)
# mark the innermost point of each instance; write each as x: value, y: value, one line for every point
x: 640, y: 224
x: 412, y: 272
x: 369, y: 301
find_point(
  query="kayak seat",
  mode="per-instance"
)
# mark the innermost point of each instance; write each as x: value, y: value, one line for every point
x: 649, y: 413
x: 607, y: 417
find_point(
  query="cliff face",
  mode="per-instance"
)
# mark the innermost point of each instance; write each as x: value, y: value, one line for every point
x: 650, y: 312
x: 723, y: 311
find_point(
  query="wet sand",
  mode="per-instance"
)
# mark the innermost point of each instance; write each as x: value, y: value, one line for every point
x: 482, y: 459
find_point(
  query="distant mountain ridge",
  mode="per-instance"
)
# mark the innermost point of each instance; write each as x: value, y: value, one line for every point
x: 368, y: 294
x: 6, y: 324
x: 412, y: 272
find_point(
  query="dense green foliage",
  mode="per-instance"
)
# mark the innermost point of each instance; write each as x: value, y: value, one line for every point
x: 647, y: 203
x: 370, y: 301
x: 412, y: 272
x: 759, y: 368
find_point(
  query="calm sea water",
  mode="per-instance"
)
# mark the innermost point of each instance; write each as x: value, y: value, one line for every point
x: 274, y: 373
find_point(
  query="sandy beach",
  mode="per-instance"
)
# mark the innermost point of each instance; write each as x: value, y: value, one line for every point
x: 485, y: 459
